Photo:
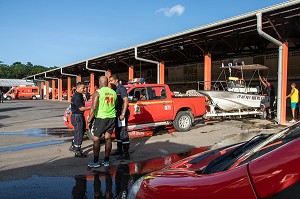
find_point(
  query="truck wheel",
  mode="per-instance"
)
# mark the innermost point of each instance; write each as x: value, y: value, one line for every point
x: 183, y: 121
x: 34, y: 97
x: 8, y: 98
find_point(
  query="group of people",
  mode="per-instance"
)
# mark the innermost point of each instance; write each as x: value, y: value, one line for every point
x: 108, y: 112
x: 293, y: 95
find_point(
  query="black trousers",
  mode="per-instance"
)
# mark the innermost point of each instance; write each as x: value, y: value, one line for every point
x: 79, y: 128
x: 122, y: 132
x: 272, y: 100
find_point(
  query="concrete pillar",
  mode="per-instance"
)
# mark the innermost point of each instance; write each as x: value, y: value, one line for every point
x: 60, y: 89
x: 283, y: 93
x: 42, y: 90
x: 47, y: 90
x: 92, y: 82
x: 207, y: 71
x: 78, y: 78
x: 131, y: 72
x: 53, y: 89
x: 69, y: 88
x: 161, y: 72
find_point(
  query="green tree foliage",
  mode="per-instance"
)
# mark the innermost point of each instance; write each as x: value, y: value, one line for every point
x: 18, y: 70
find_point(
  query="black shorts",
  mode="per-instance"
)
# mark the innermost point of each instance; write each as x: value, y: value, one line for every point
x: 101, y: 126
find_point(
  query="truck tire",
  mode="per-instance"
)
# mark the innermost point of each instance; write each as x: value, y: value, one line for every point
x: 8, y: 98
x: 183, y: 121
x: 34, y: 97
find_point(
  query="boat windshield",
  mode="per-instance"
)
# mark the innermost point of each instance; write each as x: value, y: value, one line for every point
x: 236, y: 84
x: 252, y: 149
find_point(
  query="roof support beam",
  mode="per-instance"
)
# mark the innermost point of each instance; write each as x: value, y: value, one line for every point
x: 152, y: 55
x: 130, y: 69
x: 276, y: 31
x: 198, y: 46
x: 181, y: 53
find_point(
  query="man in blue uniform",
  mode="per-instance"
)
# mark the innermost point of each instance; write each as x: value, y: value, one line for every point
x: 122, y: 114
x: 77, y: 119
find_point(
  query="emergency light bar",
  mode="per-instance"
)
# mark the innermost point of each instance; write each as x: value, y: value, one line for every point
x: 137, y: 81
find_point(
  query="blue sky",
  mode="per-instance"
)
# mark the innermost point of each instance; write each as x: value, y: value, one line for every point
x: 62, y: 32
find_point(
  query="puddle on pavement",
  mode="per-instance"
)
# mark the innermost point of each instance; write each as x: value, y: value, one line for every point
x: 42, y: 132
x: 97, y: 183
x: 46, y: 132
x: 30, y: 146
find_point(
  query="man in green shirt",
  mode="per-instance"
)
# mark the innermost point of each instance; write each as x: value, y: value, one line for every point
x: 103, y: 113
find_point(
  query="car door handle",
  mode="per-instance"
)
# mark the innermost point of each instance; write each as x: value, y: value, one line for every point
x: 145, y: 104
x: 165, y: 103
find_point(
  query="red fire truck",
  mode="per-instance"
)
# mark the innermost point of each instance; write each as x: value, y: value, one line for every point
x: 23, y: 92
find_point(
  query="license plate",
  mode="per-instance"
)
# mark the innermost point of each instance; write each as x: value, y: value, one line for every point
x: 65, y: 118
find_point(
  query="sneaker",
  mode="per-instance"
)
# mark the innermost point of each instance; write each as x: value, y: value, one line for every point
x: 72, y: 147
x: 292, y: 121
x: 105, y: 163
x: 93, y: 164
x: 124, y: 156
x: 79, y: 153
x: 117, y: 152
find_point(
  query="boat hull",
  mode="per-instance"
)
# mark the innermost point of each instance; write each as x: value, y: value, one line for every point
x: 229, y: 101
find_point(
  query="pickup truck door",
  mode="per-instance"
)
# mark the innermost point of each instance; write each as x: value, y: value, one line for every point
x: 158, y: 104
x: 139, y: 109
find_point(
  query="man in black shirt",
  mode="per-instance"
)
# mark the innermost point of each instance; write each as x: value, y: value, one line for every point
x: 271, y: 94
x: 122, y: 114
x: 77, y: 119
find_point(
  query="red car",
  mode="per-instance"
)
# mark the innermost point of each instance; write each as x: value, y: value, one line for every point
x: 267, y: 166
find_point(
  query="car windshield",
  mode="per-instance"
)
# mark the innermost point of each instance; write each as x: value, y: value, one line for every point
x: 254, y: 148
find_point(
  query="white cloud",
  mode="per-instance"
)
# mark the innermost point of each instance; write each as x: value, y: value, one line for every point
x: 175, y: 10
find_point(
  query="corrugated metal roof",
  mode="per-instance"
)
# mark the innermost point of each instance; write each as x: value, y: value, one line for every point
x: 14, y: 82
x: 243, y: 16
x: 246, y: 17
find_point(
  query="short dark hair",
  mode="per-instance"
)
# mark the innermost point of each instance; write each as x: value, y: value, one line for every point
x: 114, y: 76
x: 79, y: 84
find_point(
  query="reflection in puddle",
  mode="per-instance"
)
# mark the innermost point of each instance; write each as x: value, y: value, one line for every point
x: 98, y: 183
x: 60, y: 132
x: 29, y: 146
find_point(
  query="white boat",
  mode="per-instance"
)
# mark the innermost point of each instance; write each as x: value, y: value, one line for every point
x: 228, y: 100
x: 237, y: 95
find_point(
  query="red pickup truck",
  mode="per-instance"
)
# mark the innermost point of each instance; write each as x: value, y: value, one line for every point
x: 153, y: 105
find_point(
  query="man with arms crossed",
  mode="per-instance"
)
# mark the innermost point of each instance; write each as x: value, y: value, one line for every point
x: 103, y: 113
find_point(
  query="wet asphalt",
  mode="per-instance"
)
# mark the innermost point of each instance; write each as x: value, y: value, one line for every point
x: 35, y: 162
